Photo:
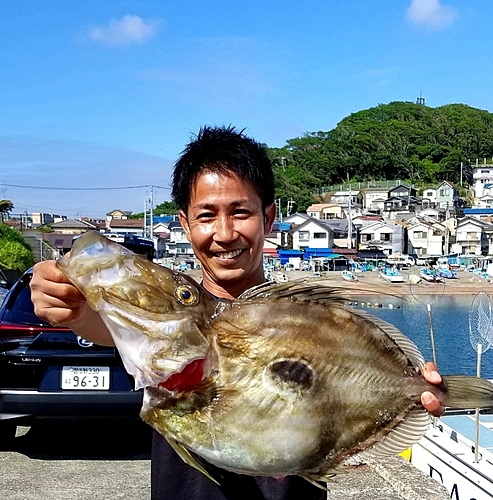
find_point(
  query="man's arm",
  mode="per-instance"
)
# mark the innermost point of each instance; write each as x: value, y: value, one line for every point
x: 59, y: 303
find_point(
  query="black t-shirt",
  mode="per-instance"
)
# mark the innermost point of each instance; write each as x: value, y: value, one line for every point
x: 173, y: 479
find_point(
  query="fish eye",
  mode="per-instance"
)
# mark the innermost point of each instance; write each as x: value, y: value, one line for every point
x: 186, y: 295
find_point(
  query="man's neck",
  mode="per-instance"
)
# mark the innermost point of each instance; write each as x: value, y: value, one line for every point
x: 230, y: 290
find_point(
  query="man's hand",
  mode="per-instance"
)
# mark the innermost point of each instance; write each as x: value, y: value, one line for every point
x: 59, y: 303
x: 429, y: 400
x: 55, y: 299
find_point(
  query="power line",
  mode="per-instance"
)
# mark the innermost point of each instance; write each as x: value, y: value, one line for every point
x: 83, y: 189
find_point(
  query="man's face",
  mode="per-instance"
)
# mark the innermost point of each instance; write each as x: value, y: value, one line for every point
x: 226, y: 225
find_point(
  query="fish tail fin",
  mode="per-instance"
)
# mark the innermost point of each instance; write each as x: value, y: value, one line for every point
x: 463, y: 392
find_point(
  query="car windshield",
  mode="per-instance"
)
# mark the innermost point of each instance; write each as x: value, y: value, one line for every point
x: 19, y: 308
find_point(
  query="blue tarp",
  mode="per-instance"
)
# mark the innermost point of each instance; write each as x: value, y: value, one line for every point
x: 318, y: 252
x: 284, y: 255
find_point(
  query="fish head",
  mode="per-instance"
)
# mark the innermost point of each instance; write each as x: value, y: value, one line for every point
x: 154, y: 314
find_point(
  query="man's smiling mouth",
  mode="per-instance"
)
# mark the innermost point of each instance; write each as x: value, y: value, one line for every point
x: 228, y: 255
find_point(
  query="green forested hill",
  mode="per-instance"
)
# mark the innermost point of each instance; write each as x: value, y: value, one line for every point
x: 400, y: 140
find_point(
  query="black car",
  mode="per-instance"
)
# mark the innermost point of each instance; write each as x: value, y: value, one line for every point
x: 49, y: 371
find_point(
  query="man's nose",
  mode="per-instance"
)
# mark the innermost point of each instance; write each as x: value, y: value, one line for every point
x: 225, y: 229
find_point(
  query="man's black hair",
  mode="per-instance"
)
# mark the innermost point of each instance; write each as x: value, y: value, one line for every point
x: 223, y: 150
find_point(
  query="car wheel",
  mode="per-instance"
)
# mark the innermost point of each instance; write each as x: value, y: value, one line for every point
x: 8, y: 428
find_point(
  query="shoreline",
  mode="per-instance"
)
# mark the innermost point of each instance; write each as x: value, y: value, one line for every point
x: 371, y: 283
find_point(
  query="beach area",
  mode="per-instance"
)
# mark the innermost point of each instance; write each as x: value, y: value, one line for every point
x: 371, y: 283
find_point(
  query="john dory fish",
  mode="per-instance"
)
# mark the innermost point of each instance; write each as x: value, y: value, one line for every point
x: 283, y: 380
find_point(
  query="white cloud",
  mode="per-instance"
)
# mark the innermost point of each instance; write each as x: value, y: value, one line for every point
x: 125, y: 31
x: 431, y: 14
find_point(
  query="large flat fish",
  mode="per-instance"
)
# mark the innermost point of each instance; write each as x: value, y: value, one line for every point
x: 284, y: 380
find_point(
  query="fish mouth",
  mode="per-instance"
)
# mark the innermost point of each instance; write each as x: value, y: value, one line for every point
x: 228, y: 255
x: 187, y: 378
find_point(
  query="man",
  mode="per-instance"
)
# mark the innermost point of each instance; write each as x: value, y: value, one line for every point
x: 223, y: 183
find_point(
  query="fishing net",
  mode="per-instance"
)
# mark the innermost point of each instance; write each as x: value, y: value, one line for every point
x: 480, y: 328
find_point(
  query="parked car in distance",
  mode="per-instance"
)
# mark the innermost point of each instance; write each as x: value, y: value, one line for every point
x: 49, y: 372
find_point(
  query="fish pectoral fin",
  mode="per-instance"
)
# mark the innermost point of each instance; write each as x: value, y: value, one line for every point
x: 189, y: 458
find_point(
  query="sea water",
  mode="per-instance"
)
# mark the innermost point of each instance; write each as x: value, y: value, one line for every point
x: 454, y: 333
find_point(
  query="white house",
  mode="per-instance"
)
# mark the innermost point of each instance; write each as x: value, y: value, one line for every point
x: 482, y: 175
x: 312, y: 234
x: 429, y: 197
x: 470, y: 237
x: 296, y: 218
x: 178, y: 244
x: 382, y: 235
x: 324, y: 211
x: 425, y: 238
x: 348, y: 198
x: 374, y: 198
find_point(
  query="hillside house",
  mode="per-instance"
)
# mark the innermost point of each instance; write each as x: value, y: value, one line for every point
x: 429, y: 198
x: 314, y: 234
x: 482, y: 176
x: 447, y: 195
x: 471, y: 238
x: 324, y: 211
x: 354, y: 199
x: 425, y: 238
x: 374, y: 198
x: 383, y: 236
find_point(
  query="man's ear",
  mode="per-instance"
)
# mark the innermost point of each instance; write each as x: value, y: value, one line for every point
x: 269, y: 218
x: 184, y: 224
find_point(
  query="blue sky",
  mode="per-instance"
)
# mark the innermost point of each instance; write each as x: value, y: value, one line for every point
x: 106, y: 94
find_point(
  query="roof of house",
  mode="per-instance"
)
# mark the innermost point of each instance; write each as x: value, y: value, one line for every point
x: 119, y: 223
x: 71, y: 223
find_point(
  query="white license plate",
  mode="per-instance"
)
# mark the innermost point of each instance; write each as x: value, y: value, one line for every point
x: 86, y: 378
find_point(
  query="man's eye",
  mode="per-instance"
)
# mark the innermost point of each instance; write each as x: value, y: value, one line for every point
x: 205, y: 216
x: 242, y: 212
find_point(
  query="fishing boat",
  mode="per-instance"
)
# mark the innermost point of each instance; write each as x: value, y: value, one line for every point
x: 392, y: 274
x: 430, y: 275
x: 447, y: 274
x: 281, y: 278
x: 349, y: 276
x: 447, y: 453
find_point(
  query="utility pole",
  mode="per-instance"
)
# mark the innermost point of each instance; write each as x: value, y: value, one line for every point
x: 145, y: 219
x: 290, y: 206
x: 151, y: 213
x: 349, y: 224
x: 278, y: 210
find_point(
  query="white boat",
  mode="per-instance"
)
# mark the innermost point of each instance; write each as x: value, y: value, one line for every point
x: 430, y: 275
x: 392, y: 274
x: 281, y: 278
x: 446, y: 453
x: 349, y: 276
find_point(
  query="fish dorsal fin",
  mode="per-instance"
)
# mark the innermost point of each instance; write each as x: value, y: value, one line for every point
x: 406, y: 433
x: 298, y: 290
x: 409, y: 348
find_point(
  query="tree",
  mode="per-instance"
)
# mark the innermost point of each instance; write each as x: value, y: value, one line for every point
x: 399, y: 140
x: 15, y: 253
x: 165, y: 208
x: 5, y: 207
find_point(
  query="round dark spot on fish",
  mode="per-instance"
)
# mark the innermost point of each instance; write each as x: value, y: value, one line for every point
x: 290, y: 370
